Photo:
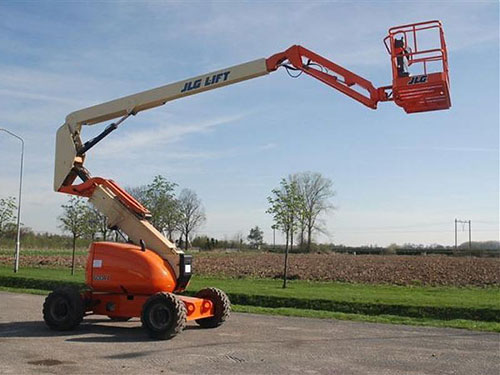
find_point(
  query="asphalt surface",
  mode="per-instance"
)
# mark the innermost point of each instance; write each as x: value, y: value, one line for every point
x: 246, y: 344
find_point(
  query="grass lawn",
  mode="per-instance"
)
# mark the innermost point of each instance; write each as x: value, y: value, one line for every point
x: 439, y: 297
x: 333, y: 291
x: 386, y: 319
x: 386, y: 294
x: 45, y: 273
x: 45, y: 252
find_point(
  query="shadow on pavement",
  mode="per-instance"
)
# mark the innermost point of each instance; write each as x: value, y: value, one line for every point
x: 117, y: 332
x: 104, y: 331
x: 90, y: 330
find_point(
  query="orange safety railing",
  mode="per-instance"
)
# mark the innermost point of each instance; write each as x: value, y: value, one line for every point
x: 419, y: 62
x: 413, y: 52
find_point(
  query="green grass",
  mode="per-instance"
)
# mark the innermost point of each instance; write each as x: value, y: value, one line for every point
x: 383, y: 294
x: 24, y: 290
x: 391, y: 319
x: 471, y: 297
x: 303, y: 313
x: 471, y: 308
x: 63, y: 274
x: 45, y: 252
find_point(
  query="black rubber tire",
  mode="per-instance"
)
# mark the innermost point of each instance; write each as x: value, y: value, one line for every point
x: 164, y: 316
x: 119, y: 318
x: 222, y: 307
x: 63, y: 309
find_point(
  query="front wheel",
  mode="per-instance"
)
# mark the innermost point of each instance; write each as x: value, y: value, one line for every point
x: 164, y: 315
x: 222, y: 307
x: 63, y: 309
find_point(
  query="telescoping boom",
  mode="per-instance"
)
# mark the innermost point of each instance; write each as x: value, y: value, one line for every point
x: 420, y: 83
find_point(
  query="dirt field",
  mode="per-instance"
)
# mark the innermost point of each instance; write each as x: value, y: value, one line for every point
x: 398, y: 270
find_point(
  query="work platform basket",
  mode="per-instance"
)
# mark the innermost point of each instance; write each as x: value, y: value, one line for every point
x: 419, y: 66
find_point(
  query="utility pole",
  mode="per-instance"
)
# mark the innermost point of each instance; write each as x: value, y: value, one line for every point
x: 470, y: 238
x: 455, y: 235
x: 468, y: 222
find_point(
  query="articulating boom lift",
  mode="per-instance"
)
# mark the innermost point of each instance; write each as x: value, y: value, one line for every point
x: 139, y: 278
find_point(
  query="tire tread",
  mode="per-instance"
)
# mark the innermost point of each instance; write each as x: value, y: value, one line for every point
x: 76, y: 302
x: 180, y: 315
x: 222, y: 307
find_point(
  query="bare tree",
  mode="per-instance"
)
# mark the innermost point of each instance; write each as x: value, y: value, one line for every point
x: 102, y: 221
x: 74, y: 221
x: 316, y: 191
x: 138, y: 192
x: 192, y: 214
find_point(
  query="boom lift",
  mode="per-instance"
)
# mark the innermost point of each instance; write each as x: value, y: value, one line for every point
x: 143, y: 278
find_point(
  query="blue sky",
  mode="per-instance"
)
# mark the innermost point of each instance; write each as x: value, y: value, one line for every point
x: 398, y: 178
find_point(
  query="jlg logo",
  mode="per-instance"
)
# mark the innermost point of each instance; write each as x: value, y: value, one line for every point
x: 417, y: 79
x: 101, y: 277
x: 207, y: 81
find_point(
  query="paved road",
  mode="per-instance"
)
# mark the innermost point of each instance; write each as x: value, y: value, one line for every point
x: 246, y: 344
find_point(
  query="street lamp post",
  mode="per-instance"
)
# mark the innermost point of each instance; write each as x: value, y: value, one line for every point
x: 18, y: 238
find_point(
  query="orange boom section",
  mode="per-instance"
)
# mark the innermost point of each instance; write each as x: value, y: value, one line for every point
x: 419, y: 62
x: 118, y: 267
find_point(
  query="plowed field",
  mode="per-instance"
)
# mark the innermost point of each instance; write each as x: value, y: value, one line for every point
x: 372, y: 269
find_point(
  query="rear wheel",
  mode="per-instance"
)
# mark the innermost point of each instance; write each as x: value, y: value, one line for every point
x: 222, y: 307
x: 164, y: 316
x: 63, y: 309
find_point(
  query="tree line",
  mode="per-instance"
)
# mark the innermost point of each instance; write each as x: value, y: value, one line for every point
x: 255, y: 240
x: 171, y: 214
x: 296, y: 206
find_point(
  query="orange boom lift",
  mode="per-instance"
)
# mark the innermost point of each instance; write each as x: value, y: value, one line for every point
x: 145, y: 276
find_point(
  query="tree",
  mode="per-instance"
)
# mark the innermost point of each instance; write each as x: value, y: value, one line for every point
x: 159, y: 198
x: 256, y: 237
x: 7, y: 211
x: 192, y: 214
x: 96, y: 223
x: 74, y: 220
x: 392, y: 249
x: 138, y: 192
x: 286, y: 206
x: 316, y: 191
x: 204, y: 242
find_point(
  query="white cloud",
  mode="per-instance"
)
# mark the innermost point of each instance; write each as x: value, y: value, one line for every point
x: 35, y: 96
x: 162, y: 135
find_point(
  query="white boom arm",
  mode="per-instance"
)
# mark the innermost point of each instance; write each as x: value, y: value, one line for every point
x: 69, y: 142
